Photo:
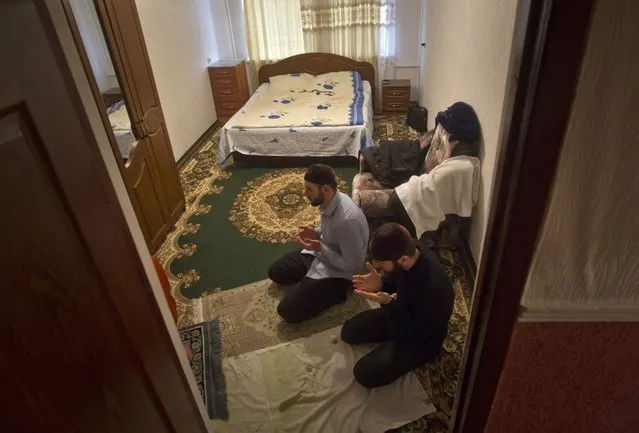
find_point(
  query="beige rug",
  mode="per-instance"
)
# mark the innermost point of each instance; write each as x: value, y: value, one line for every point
x: 249, y: 320
x: 307, y: 386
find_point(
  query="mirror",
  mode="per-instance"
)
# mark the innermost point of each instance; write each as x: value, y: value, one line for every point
x: 97, y: 51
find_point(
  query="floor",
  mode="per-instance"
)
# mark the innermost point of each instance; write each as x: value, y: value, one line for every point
x: 238, y: 221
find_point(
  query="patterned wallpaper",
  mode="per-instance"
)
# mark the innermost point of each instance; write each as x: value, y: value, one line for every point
x: 588, y: 252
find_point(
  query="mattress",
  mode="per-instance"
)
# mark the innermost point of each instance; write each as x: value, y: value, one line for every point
x: 297, y: 141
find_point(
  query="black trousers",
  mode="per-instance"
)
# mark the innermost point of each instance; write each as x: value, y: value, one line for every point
x: 391, y: 359
x: 308, y: 297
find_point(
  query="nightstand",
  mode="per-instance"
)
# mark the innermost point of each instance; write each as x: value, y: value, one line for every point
x: 395, y: 95
x: 230, y: 87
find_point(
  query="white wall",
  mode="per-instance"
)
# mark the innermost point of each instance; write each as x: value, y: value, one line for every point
x: 180, y: 39
x: 228, y: 23
x: 467, y: 58
x: 94, y: 43
x: 588, y: 251
x: 408, y: 16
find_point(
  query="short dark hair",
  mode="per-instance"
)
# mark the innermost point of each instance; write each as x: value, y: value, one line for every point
x: 390, y: 242
x: 321, y: 174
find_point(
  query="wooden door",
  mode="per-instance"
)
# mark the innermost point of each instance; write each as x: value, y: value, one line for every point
x: 152, y: 172
x: 83, y: 344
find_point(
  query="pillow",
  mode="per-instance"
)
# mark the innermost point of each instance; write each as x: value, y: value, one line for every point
x: 295, y: 82
x: 331, y: 80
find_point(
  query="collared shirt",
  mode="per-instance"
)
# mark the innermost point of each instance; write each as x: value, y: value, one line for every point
x: 344, y: 235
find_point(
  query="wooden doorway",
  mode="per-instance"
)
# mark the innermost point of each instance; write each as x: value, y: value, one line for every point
x: 552, y: 35
x: 84, y: 343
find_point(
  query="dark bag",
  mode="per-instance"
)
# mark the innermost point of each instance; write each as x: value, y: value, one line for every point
x: 417, y: 118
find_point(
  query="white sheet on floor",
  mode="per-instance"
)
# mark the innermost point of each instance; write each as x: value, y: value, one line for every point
x: 308, y: 386
x: 298, y: 141
x: 452, y: 187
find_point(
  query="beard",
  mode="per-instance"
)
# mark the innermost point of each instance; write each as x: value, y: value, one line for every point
x: 397, y: 274
x: 317, y: 200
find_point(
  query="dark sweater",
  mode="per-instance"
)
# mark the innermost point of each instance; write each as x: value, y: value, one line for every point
x: 424, y: 301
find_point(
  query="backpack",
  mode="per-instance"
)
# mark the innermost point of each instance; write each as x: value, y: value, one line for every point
x: 417, y: 118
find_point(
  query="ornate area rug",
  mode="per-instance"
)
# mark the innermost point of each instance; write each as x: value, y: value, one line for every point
x: 273, y: 206
x: 238, y: 221
x: 249, y: 320
x: 204, y: 341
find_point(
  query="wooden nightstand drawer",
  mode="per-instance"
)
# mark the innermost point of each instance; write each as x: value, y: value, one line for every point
x: 232, y: 97
x: 222, y: 72
x: 227, y: 106
x: 225, y: 82
x: 221, y: 91
x: 397, y: 93
x: 395, y: 106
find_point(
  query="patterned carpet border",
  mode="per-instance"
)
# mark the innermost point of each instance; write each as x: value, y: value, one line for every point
x: 198, y: 179
x: 205, y: 342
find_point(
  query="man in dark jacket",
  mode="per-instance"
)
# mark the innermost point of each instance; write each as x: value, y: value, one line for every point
x: 416, y: 300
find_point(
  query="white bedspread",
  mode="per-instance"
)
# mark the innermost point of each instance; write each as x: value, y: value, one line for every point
x: 307, y: 386
x: 336, y: 100
x: 297, y: 141
x: 121, y: 124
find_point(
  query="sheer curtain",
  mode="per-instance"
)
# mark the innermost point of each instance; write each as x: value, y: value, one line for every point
x: 346, y: 27
x: 387, y: 39
x: 363, y: 30
x: 273, y: 31
x: 360, y: 29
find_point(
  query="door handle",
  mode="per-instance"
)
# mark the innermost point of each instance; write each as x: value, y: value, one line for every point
x: 144, y: 132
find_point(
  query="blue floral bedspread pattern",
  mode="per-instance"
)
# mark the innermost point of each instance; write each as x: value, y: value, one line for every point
x: 337, y: 100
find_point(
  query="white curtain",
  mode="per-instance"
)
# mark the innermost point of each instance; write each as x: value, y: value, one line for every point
x: 363, y: 30
x: 345, y: 27
x: 273, y: 31
x: 349, y: 28
x: 387, y: 40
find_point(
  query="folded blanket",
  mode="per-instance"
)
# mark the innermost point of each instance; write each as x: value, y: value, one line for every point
x: 452, y: 187
x: 338, y: 101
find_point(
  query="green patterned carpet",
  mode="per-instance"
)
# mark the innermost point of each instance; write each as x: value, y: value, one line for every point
x: 239, y: 220
x: 242, y: 228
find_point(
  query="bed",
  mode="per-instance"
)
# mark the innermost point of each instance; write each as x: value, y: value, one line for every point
x: 338, y: 124
x: 121, y: 125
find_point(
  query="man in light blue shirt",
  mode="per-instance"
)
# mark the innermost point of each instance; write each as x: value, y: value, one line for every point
x: 331, y: 254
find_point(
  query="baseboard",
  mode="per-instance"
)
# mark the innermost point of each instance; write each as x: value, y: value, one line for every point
x: 198, y: 143
x: 549, y: 312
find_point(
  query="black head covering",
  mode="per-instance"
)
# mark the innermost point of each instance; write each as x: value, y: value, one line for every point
x: 461, y: 122
x: 321, y: 174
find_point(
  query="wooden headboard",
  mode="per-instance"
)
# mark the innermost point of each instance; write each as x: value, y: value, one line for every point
x: 316, y: 64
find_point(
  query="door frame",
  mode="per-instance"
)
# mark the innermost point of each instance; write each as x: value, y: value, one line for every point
x: 134, y: 290
x: 549, y: 42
